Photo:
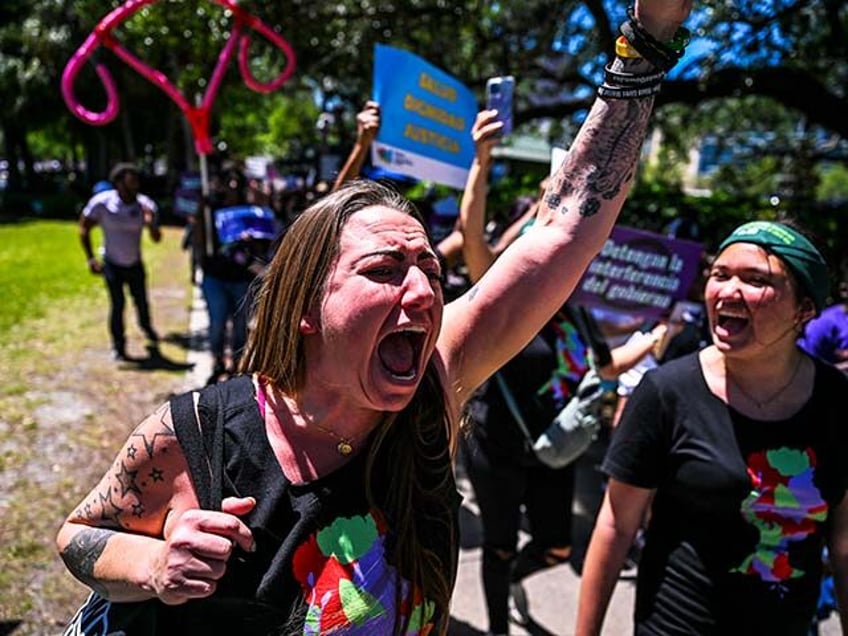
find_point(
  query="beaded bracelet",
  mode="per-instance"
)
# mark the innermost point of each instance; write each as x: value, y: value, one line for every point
x: 661, y: 55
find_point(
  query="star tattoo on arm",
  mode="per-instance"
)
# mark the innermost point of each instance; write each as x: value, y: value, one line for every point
x: 149, y: 438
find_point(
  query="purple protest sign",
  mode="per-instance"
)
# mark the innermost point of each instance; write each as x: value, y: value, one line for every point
x: 640, y: 273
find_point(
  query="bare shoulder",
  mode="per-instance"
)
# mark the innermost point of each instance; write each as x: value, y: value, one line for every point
x: 147, y: 479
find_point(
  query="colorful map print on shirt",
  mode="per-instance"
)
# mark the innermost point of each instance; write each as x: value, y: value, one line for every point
x: 784, y: 506
x: 348, y: 585
x: 572, y: 363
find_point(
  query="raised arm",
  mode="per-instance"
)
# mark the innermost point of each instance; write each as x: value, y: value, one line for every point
x: 367, y: 127
x: 536, y: 274
x: 476, y: 251
x: 138, y: 534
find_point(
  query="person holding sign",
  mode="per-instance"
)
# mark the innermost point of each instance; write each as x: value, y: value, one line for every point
x: 449, y: 249
x: 340, y: 510
x: 367, y: 127
x: 241, y: 242
x: 739, y: 455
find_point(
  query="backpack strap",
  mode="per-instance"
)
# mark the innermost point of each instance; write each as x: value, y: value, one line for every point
x: 202, y: 444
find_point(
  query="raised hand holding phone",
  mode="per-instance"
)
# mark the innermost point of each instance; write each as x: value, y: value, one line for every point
x: 499, y: 94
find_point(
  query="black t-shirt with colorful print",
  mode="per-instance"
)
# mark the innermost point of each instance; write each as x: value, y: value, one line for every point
x: 740, y: 514
x: 323, y: 563
x: 542, y: 378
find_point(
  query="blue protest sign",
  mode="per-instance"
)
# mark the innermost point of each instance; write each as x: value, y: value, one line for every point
x: 426, y: 119
x: 241, y: 222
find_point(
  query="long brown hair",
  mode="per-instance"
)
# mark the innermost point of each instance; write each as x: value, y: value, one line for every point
x: 409, y: 475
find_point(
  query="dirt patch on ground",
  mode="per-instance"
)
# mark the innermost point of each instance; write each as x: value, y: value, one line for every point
x: 65, y: 409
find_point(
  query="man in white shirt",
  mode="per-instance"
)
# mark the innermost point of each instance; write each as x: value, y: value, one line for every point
x: 122, y: 214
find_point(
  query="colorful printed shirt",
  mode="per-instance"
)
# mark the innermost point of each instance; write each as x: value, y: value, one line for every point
x: 740, y: 514
x: 324, y: 562
x: 541, y: 377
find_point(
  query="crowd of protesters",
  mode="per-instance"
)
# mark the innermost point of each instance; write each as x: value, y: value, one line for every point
x: 725, y: 465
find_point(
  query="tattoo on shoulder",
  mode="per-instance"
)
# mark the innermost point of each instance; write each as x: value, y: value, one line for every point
x: 149, y: 438
x: 473, y: 292
x: 82, y: 552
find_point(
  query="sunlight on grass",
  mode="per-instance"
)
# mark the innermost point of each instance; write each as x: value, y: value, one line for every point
x: 43, y: 266
x: 41, y: 263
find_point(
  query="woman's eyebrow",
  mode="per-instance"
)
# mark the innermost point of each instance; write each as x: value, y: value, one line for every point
x: 399, y: 255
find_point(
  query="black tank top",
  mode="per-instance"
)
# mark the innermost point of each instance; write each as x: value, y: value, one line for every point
x: 323, y: 562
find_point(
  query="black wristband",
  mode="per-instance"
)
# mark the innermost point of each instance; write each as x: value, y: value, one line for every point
x: 614, y: 92
x: 630, y: 80
x: 658, y: 57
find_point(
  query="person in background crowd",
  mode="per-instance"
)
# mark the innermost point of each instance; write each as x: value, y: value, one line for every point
x: 503, y: 471
x: 227, y: 275
x: 368, y: 122
x: 740, y: 455
x: 508, y: 480
x: 367, y: 127
x: 122, y: 213
x: 827, y: 335
x: 341, y: 510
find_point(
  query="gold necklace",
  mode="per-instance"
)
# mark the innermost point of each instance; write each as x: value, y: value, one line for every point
x: 345, y: 445
x: 761, y: 403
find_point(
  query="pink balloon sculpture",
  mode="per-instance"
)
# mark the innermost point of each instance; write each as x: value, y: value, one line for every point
x: 198, y: 116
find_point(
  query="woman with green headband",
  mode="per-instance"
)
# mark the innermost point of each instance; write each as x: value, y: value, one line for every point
x: 739, y: 455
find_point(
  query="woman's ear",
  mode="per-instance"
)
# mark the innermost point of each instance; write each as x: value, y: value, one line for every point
x: 806, y: 312
x: 308, y: 325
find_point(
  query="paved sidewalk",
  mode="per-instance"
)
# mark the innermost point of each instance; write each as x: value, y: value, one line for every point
x: 552, y: 593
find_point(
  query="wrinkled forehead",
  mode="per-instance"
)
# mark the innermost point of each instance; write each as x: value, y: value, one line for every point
x: 383, y: 225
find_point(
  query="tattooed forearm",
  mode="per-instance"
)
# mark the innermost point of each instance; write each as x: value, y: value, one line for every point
x: 609, y: 147
x: 82, y: 552
x: 604, y: 156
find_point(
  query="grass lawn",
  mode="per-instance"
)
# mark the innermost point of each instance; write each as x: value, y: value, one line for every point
x: 41, y: 264
x: 65, y: 405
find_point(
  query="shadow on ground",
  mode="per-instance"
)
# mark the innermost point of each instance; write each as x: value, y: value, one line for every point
x: 7, y: 627
x: 155, y: 361
x: 188, y: 341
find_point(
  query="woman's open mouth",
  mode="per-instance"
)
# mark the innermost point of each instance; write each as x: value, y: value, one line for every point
x: 400, y: 352
x: 731, y: 321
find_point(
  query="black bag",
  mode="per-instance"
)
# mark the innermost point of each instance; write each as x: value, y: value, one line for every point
x: 574, y: 427
x: 205, y: 455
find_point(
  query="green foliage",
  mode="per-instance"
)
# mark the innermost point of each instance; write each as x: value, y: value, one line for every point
x: 41, y: 262
x: 278, y: 124
x: 833, y: 183
x: 756, y: 178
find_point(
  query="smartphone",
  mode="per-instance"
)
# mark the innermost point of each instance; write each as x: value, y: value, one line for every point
x: 499, y: 92
x: 686, y: 311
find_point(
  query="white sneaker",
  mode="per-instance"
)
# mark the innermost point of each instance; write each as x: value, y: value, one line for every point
x: 519, y: 608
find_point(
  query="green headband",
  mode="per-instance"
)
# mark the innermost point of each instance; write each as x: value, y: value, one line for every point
x: 802, y: 257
